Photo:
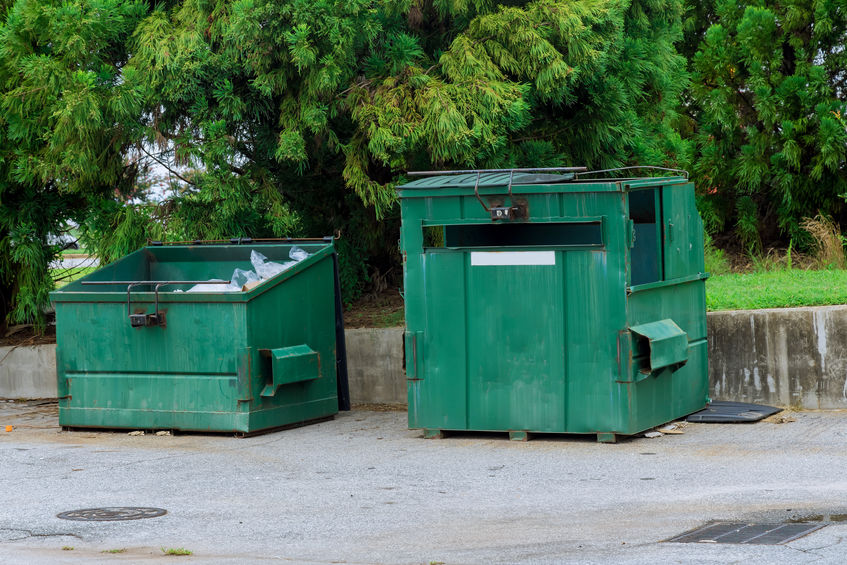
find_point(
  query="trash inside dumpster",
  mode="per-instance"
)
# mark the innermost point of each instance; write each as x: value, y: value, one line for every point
x: 238, y: 337
x: 551, y: 301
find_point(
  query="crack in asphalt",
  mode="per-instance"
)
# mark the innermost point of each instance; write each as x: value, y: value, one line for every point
x: 814, y: 550
x: 30, y: 534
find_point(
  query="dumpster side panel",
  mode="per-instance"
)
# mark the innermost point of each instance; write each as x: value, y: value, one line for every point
x: 198, y: 338
x: 195, y: 402
x: 675, y: 391
x: 414, y: 271
x: 301, y: 311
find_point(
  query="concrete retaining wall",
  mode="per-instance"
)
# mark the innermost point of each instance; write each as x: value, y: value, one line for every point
x: 375, y: 365
x: 28, y: 371
x: 791, y: 357
x: 788, y: 357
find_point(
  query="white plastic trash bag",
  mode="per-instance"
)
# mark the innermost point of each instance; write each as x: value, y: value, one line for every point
x: 214, y: 287
x: 245, y: 280
x: 297, y: 254
x: 264, y: 268
x: 240, y: 277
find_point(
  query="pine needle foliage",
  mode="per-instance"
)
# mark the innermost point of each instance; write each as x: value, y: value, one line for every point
x: 68, y: 111
x: 768, y: 99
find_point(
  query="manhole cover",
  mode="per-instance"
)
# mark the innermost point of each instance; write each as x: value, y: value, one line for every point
x: 742, y: 532
x: 111, y: 514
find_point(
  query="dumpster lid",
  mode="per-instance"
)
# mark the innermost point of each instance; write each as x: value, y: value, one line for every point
x: 727, y: 412
x: 487, y: 179
x: 547, y: 175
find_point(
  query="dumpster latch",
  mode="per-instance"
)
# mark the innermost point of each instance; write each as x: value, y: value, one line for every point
x: 142, y: 320
x: 503, y: 212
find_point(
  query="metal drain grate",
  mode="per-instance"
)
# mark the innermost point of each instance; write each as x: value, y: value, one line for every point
x: 111, y: 514
x: 741, y: 532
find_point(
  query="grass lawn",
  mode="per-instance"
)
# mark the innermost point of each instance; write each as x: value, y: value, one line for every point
x: 63, y: 276
x: 776, y: 289
x: 74, y: 252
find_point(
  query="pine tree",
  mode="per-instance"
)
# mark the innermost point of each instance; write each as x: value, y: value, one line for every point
x: 69, y: 111
x: 768, y: 99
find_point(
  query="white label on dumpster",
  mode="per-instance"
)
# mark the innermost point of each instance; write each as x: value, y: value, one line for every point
x: 502, y: 258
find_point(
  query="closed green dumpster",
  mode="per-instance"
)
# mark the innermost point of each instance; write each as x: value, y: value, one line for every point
x: 140, y: 346
x: 541, y: 302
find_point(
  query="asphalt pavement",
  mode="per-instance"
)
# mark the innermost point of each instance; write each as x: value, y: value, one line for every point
x: 363, y: 488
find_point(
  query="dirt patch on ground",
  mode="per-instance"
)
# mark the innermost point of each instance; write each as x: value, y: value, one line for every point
x: 25, y: 335
x: 384, y: 310
x: 784, y: 417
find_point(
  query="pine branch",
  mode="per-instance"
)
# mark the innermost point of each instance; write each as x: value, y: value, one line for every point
x: 169, y: 169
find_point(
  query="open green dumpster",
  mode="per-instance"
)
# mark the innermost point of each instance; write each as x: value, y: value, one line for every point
x: 544, y: 301
x: 238, y: 337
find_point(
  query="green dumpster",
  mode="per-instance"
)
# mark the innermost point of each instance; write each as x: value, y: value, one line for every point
x: 542, y: 302
x: 166, y: 338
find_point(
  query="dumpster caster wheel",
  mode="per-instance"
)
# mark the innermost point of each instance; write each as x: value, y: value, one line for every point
x: 607, y: 438
x: 433, y: 434
x: 519, y: 436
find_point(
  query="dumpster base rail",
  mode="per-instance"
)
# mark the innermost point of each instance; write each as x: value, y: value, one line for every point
x: 524, y: 435
x: 235, y: 433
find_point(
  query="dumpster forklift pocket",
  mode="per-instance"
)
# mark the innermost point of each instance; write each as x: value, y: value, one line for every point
x: 288, y: 365
x: 663, y: 344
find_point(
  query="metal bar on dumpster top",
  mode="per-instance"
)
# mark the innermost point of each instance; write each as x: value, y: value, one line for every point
x: 243, y: 241
x: 651, y: 167
x: 464, y: 172
x: 161, y: 283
